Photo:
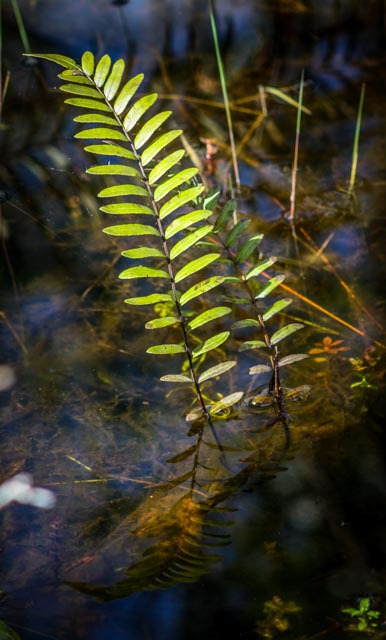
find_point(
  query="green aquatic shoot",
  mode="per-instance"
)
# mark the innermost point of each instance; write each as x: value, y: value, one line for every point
x: 296, y: 151
x: 21, y: 27
x: 366, y: 619
x: 354, y: 162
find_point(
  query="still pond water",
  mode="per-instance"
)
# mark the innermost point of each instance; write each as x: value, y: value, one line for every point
x: 293, y: 529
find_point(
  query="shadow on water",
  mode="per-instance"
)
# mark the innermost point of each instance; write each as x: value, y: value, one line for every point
x: 268, y: 537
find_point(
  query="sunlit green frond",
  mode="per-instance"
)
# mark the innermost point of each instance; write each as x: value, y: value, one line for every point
x: 172, y: 183
x: 159, y: 145
x: 88, y: 63
x: 285, y: 331
x: 165, y: 165
x: 211, y: 343
x: 190, y: 240
x: 200, y: 288
x: 123, y: 190
x: 69, y: 75
x: 217, y: 370
x: 185, y: 221
x: 221, y: 405
x: 153, y: 298
x: 97, y: 118
x: 101, y: 133
x: 102, y: 70
x: 150, y: 128
x: 143, y: 252
x: 181, y: 199
x: 273, y: 283
x: 127, y: 92
x: 63, y: 61
x: 195, y: 265
x: 160, y: 323
x: 131, y: 230
x: 278, y: 306
x: 113, y: 170
x: 127, y: 208
x: 80, y: 90
x: 138, y: 110
x: 114, y: 80
x: 207, y: 316
x: 142, y: 272
x: 87, y: 103
x: 166, y: 349
x: 110, y: 150
x: 262, y: 266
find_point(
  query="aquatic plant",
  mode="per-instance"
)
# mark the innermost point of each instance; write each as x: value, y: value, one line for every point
x: 364, y: 618
x: 174, y: 224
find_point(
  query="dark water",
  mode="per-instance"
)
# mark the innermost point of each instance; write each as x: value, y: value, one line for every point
x: 300, y: 525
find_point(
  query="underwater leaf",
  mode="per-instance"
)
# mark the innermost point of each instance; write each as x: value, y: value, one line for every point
x: 252, y: 344
x: 131, y: 230
x: 80, y: 90
x: 159, y: 323
x: 175, y: 378
x: 285, y: 331
x: 185, y: 454
x: 273, y: 283
x: 255, y: 271
x: 200, y: 288
x: 217, y: 370
x: 143, y: 252
x: 142, y: 272
x: 63, y: 61
x: 208, y: 316
x: 97, y: 118
x: 166, y: 349
x: 225, y: 215
x: 110, y: 150
x: 102, y: 70
x: 183, y: 222
x: 114, y: 80
x: 150, y: 127
x: 172, y: 183
x: 248, y: 247
x: 127, y: 92
x: 276, y: 308
x: 180, y: 199
x: 153, y: 298
x: 138, y: 109
x: 219, y: 406
x: 236, y: 232
x: 88, y: 63
x: 127, y: 208
x: 247, y: 322
x: 260, y: 368
x: 211, y: 343
x: 100, y: 133
x: 87, y: 103
x: 164, y: 165
x: 122, y: 190
x: 189, y: 240
x: 294, y: 357
x: 195, y: 265
x: 113, y: 170
x: 158, y: 145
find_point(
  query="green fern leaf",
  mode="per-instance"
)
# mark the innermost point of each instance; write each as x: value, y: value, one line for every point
x: 114, y: 80
x: 127, y: 208
x: 217, y: 370
x: 69, y: 75
x: 172, y: 183
x: 166, y: 349
x: 87, y: 103
x: 195, y: 265
x: 97, y: 118
x: 143, y: 252
x: 273, y: 283
x: 127, y: 92
x: 185, y: 221
x: 159, y: 145
x: 110, y: 150
x: 180, y: 199
x: 150, y: 127
x: 165, y: 165
x: 224, y: 403
x: 131, y: 230
x: 123, y: 190
x: 208, y: 316
x: 211, y: 343
x: 142, y: 272
x: 100, y: 133
x: 138, y: 109
x: 189, y: 241
x: 276, y: 308
x: 102, y: 70
x: 63, y: 61
x: 153, y: 298
x: 255, y: 271
x: 286, y: 331
x: 113, y: 170
x: 88, y: 63
x: 80, y: 90
x: 200, y: 288
x: 160, y: 323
